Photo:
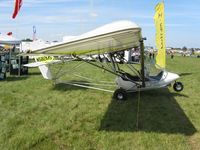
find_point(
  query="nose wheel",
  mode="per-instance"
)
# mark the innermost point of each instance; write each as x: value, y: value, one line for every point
x: 178, y: 86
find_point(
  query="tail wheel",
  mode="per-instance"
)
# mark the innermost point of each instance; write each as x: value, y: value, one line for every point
x: 120, y: 94
x: 178, y: 86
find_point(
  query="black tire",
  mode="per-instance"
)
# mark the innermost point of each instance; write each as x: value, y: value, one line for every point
x: 178, y: 86
x: 120, y: 94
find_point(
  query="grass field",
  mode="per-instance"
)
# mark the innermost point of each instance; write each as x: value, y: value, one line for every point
x: 35, y: 114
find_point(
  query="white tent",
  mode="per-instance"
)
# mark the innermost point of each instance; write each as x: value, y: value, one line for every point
x: 34, y: 45
x: 5, y: 39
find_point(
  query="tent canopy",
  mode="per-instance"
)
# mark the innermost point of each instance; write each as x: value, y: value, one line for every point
x: 5, y: 39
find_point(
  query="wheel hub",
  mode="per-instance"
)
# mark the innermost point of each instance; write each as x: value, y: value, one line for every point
x: 178, y: 87
x: 120, y: 96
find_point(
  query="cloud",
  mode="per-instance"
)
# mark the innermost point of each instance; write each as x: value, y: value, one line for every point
x: 177, y: 25
x: 167, y: 25
x: 93, y: 14
x: 36, y: 3
x: 6, y: 3
x: 55, y: 18
x: 183, y: 15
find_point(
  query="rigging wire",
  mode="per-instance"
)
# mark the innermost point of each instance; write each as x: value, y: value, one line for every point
x: 138, y: 109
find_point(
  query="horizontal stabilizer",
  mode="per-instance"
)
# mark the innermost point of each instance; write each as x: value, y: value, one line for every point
x: 37, y: 64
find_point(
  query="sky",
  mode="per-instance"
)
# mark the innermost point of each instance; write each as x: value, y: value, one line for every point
x: 54, y: 19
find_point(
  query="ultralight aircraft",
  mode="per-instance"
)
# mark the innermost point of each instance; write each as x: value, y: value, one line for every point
x: 107, y: 42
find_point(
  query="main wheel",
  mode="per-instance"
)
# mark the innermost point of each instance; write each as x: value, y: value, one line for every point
x: 120, y: 94
x: 178, y: 86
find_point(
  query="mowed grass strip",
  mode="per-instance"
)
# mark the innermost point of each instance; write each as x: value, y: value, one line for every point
x: 36, y: 114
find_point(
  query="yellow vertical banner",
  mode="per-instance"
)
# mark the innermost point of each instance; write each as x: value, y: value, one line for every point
x: 159, y: 20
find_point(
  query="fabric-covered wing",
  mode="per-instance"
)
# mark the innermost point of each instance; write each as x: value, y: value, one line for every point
x: 98, y: 41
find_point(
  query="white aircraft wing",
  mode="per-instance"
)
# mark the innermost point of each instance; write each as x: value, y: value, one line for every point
x: 116, y: 36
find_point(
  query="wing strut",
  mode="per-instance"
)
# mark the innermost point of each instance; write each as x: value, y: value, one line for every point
x: 110, y: 71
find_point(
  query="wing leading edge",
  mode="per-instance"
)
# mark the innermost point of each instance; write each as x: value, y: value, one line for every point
x: 116, y: 36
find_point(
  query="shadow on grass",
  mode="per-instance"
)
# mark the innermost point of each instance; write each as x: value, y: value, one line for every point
x: 185, y: 74
x: 16, y: 78
x: 34, y: 73
x: 159, y: 112
x: 66, y: 87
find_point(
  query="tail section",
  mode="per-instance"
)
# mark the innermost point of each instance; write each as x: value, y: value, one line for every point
x: 44, y: 69
x: 43, y: 64
x: 46, y: 73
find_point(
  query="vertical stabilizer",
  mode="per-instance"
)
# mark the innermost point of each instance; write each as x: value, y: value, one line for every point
x: 46, y: 73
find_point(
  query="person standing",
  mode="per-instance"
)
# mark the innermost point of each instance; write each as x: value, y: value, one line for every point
x: 171, y: 54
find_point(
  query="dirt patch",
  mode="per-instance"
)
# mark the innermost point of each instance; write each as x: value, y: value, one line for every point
x: 194, y: 141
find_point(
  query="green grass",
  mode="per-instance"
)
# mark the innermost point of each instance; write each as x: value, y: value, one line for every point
x: 35, y: 114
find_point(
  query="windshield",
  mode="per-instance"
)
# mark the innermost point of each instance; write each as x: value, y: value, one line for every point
x: 150, y: 63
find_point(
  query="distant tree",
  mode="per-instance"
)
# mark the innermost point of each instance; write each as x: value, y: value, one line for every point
x: 192, y: 51
x: 184, y: 48
x: 27, y: 40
